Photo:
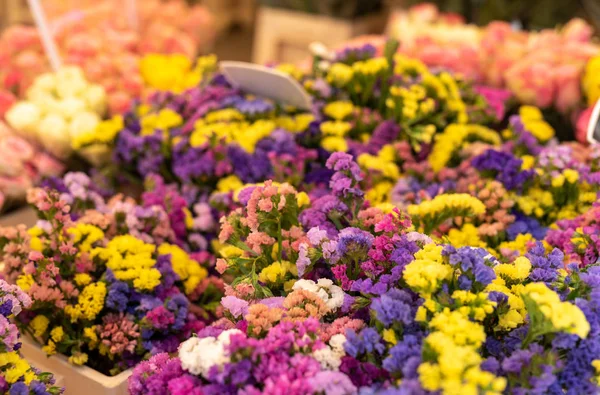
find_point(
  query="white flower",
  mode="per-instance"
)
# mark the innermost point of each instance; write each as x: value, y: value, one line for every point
x: 95, y: 98
x: 54, y: 135
x: 198, y: 356
x: 331, y: 294
x: 44, y: 82
x: 70, y: 82
x: 330, y: 356
x: 83, y: 122
x: 24, y: 117
x: 70, y: 107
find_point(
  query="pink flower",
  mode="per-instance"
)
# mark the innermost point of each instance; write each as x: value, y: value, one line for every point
x: 160, y: 317
x: 256, y: 239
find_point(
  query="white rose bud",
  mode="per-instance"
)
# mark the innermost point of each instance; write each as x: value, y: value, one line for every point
x: 95, y: 98
x: 24, y: 118
x: 54, y: 135
x: 70, y: 82
x: 83, y: 122
x: 70, y: 107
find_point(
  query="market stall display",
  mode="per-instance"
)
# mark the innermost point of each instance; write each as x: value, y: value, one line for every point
x: 410, y: 227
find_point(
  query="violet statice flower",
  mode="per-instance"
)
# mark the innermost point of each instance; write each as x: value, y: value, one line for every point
x: 248, y: 167
x: 524, y: 224
x: 353, y: 245
x: 354, y: 54
x: 395, y: 306
x: 405, y: 357
x: 367, y: 342
x: 524, y: 137
x: 473, y: 264
x: 544, y: 267
x: 504, y: 167
x: 332, y: 383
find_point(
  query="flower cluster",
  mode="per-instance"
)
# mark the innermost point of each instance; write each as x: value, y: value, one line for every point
x: 109, y: 287
x: 17, y: 376
x: 59, y: 107
x: 100, y: 39
x: 533, y: 65
x: 364, y: 300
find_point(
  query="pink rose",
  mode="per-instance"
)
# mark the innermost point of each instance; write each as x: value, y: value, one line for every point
x: 567, y: 79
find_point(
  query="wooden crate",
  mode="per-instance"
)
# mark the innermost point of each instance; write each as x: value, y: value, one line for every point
x: 284, y: 36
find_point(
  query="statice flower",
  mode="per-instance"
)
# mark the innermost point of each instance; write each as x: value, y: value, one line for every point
x: 504, y: 167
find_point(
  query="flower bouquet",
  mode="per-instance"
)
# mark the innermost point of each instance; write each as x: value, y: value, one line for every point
x: 59, y: 107
x: 372, y: 305
x: 108, y: 288
x: 17, y: 376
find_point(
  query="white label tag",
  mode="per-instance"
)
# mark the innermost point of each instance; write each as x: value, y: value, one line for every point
x: 593, y: 131
x: 263, y: 81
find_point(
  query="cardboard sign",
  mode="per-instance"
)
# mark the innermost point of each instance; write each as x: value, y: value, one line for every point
x: 593, y: 131
x: 263, y: 81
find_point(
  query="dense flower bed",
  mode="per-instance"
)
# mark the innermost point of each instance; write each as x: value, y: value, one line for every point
x: 373, y: 305
x: 412, y: 233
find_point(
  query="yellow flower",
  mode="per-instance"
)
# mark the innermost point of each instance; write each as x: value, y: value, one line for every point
x: 188, y: 270
x: 57, y: 334
x: 458, y: 203
x: 290, y: 69
x: 276, y: 272
x: 338, y: 110
x: 82, y: 279
x: 303, y: 199
x: 78, y: 358
x: 90, y: 334
x: 339, y: 74
x: 516, y: 271
x: 335, y: 128
x: 25, y: 281
x: 39, y: 325
x: 455, y: 137
x: 564, y: 316
x: 371, y: 66
x: 591, y: 80
x: 465, y: 236
x: 229, y: 184
x: 49, y: 348
x: 85, y: 235
x: 14, y: 367
x: 572, y: 176
x: 528, y: 162
x: 333, y: 144
x: 426, y: 276
x: 104, y: 133
x: 596, y: 366
x: 89, y: 302
x: 230, y: 251
x: 390, y: 336
x: 530, y: 113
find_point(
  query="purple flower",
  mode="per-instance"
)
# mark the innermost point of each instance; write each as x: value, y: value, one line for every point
x: 394, y: 307
x: 236, y: 306
x: 505, y: 167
